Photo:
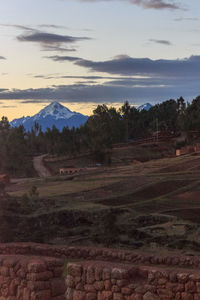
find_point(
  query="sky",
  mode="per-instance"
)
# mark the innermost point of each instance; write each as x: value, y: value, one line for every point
x: 88, y: 52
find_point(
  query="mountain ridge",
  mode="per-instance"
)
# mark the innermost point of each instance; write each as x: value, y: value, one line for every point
x: 54, y: 114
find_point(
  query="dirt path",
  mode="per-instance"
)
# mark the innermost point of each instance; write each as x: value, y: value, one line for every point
x: 40, y: 167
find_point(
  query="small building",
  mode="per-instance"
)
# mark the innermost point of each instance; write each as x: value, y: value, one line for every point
x: 69, y: 170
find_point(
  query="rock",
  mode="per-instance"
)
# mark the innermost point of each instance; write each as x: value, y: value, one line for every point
x: 151, y: 296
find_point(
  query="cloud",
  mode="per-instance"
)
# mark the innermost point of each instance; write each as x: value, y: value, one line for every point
x: 158, y: 80
x: 2, y: 57
x: 52, y: 26
x: 135, y: 90
x: 47, y: 40
x: 57, y: 76
x: 148, y: 4
x: 162, y: 42
x: 126, y: 65
x: 129, y: 66
x: 17, y: 26
x: 63, y: 58
x: 50, y: 41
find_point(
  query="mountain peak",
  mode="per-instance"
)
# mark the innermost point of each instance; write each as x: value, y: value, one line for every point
x: 55, y: 104
x: 53, y: 114
x: 145, y: 106
x: 55, y: 110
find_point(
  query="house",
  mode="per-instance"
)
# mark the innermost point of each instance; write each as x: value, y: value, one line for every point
x: 188, y: 149
x: 69, y: 170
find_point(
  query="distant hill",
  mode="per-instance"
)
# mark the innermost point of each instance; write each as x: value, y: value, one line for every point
x: 145, y: 106
x: 53, y: 114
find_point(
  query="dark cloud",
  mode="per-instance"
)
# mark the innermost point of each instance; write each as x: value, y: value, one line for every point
x: 47, y: 40
x: 2, y: 57
x: 57, y: 48
x: 125, y: 65
x: 162, y: 42
x: 63, y: 58
x: 129, y: 66
x: 56, y: 76
x: 160, y: 80
x: 134, y: 82
x: 156, y: 4
x: 148, y: 4
x: 50, y: 41
x: 136, y: 91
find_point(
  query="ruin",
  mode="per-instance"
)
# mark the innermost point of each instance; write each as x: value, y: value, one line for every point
x: 35, y: 271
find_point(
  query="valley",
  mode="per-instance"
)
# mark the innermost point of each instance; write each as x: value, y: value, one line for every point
x: 151, y: 205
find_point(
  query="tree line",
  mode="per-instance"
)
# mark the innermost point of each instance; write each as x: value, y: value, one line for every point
x: 105, y: 127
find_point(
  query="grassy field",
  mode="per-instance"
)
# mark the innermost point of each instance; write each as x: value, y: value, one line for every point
x: 151, y: 204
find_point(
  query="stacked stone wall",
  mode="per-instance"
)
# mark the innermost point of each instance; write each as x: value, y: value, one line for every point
x: 102, y: 281
x: 33, y: 271
x: 101, y: 254
x: 31, y: 278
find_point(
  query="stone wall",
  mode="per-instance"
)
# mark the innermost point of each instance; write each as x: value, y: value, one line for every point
x: 31, y: 278
x: 103, y: 281
x: 101, y: 254
x: 33, y: 271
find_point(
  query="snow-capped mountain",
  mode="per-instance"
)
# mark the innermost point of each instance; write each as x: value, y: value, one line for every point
x: 53, y: 114
x: 145, y: 106
x: 56, y: 110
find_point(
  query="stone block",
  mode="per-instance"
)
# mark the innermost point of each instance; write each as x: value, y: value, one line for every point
x: 118, y: 296
x: 69, y: 294
x: 186, y: 296
x: 89, y: 288
x: 91, y: 296
x: 90, y: 276
x: 70, y: 281
x: 190, y: 286
x: 58, y: 287
x: 36, y: 267
x: 74, y: 269
x: 42, y: 276
x: 99, y: 285
x: 107, y: 295
x: 118, y: 273
x: 151, y: 296
x: 79, y: 295
x: 41, y: 295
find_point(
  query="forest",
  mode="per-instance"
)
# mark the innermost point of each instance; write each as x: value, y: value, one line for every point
x: 104, y: 128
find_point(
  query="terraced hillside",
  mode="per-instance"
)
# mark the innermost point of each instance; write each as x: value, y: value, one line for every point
x: 148, y: 205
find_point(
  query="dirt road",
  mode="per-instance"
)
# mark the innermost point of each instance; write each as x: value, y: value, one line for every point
x: 40, y: 167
